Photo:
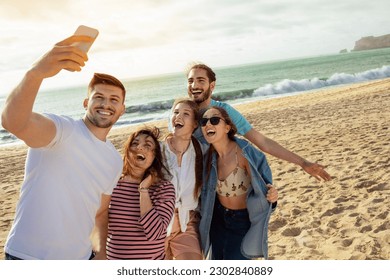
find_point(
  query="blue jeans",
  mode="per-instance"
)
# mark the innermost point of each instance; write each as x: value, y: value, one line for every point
x: 9, y: 257
x: 228, y: 228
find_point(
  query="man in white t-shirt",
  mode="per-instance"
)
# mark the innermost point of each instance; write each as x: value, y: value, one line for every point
x: 71, y: 168
x: 201, y: 81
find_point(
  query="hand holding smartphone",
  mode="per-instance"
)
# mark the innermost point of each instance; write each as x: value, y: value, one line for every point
x: 87, y: 31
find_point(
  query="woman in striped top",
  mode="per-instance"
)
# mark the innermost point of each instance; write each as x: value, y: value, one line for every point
x: 142, y: 203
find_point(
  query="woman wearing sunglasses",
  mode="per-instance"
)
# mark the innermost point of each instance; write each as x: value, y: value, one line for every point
x: 237, y: 197
x: 184, y: 158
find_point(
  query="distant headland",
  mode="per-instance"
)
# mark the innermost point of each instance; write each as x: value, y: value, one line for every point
x: 371, y: 42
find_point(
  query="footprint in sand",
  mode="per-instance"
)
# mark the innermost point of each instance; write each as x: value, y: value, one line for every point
x: 366, y: 229
x: 383, y: 215
x: 333, y: 211
x: 365, y: 184
x: 341, y: 199
x: 292, y: 232
x: 379, y: 187
x: 347, y: 242
x: 277, y: 224
x: 383, y: 227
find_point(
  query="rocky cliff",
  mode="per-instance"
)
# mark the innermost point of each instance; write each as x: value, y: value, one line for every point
x: 371, y: 42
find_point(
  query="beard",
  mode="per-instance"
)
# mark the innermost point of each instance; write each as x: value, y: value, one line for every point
x: 96, y: 121
x: 100, y: 123
x: 202, y: 97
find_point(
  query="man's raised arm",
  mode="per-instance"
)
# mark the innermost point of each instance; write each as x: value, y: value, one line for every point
x: 17, y: 117
x: 271, y: 147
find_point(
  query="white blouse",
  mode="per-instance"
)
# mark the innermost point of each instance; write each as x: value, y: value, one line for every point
x: 183, y: 178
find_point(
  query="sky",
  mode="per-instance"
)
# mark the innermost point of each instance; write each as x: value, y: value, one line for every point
x: 150, y: 37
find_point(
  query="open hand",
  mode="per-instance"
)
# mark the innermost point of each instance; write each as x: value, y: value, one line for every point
x: 316, y: 170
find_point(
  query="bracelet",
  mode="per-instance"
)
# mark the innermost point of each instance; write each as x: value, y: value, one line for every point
x: 142, y: 189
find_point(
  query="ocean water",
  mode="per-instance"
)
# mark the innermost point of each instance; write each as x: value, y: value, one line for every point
x: 151, y: 98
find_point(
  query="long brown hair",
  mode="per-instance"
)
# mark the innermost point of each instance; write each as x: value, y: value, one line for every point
x: 157, y: 168
x: 198, y: 151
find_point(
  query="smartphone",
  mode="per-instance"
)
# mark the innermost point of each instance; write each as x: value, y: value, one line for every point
x: 88, y: 31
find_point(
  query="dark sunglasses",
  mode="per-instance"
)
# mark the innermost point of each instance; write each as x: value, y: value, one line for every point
x: 213, y: 121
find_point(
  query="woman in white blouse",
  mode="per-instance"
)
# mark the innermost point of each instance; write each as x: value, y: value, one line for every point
x: 183, y: 157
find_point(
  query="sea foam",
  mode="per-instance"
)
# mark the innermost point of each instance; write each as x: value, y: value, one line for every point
x: 290, y: 86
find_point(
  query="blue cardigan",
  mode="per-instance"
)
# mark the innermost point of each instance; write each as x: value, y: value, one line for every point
x: 255, y: 242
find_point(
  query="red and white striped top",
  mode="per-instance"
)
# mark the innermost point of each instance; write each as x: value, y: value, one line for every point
x: 131, y: 236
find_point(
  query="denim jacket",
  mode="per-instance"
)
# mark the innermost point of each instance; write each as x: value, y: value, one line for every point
x: 255, y: 242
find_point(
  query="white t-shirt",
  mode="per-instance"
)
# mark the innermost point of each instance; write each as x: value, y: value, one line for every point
x: 61, y: 193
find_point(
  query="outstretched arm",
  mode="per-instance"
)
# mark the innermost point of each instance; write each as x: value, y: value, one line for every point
x: 271, y: 147
x: 17, y: 117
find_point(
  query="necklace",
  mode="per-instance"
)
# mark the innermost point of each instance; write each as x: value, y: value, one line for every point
x: 172, y: 146
x: 226, y: 159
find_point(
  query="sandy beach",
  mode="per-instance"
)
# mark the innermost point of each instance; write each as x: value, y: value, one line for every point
x: 347, y: 129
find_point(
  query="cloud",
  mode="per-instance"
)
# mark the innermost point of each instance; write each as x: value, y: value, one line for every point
x: 164, y: 34
x: 32, y: 10
x: 146, y: 24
